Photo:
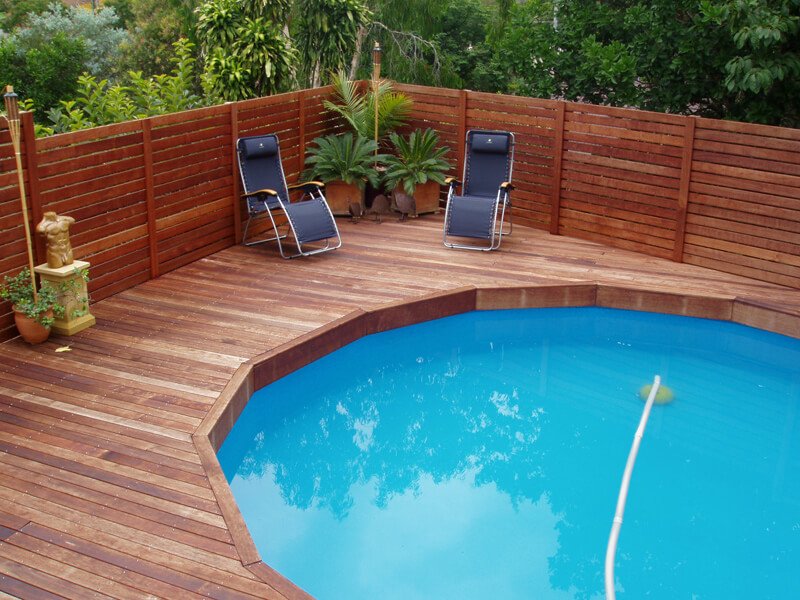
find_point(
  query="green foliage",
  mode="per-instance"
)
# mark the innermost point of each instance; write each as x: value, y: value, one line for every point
x: 345, y: 158
x: 735, y: 59
x: 45, y: 74
x: 101, y: 103
x: 276, y: 11
x: 462, y: 42
x: 154, y: 25
x: 327, y: 31
x: 416, y: 160
x: 358, y: 109
x: 246, y: 54
x: 98, y: 31
x: 763, y: 69
x: 124, y: 11
x: 15, y: 13
x: 19, y: 291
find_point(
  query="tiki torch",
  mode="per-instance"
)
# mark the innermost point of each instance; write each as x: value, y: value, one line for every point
x: 12, y: 117
x: 376, y: 74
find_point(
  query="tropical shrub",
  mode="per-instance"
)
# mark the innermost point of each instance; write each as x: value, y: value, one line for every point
x: 346, y: 157
x: 415, y: 160
x: 358, y: 109
x: 101, y: 103
x: 245, y: 51
x: 45, y: 74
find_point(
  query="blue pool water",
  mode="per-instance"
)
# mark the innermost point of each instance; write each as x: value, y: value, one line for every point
x: 480, y: 457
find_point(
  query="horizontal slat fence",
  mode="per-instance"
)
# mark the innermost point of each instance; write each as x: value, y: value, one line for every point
x: 620, y: 177
x: 148, y: 196
x: 744, y: 203
x: 152, y: 195
x: 718, y: 194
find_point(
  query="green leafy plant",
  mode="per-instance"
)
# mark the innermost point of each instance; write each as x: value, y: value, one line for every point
x: 358, y: 109
x: 101, y: 103
x: 327, y: 33
x: 416, y: 160
x: 18, y: 291
x: 246, y: 53
x: 345, y: 158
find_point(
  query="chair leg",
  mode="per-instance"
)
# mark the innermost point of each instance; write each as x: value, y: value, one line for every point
x: 300, y: 250
x: 277, y: 237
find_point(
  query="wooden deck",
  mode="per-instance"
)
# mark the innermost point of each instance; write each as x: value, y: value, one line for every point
x: 102, y: 491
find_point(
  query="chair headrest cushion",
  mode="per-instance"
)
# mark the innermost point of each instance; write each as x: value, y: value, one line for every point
x: 490, y: 143
x: 259, y: 146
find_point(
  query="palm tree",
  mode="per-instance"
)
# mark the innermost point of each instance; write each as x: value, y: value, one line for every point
x: 358, y: 109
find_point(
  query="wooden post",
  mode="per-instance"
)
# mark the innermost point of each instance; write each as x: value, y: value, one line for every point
x: 301, y: 126
x: 462, y: 130
x: 236, y: 187
x: 558, y: 156
x: 34, y: 191
x: 150, y: 195
x: 683, y: 190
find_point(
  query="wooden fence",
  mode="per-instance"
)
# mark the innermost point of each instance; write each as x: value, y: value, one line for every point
x: 718, y: 194
x: 152, y: 195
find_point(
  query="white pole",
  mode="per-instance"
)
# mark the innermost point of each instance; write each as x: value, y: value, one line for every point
x: 611, y: 551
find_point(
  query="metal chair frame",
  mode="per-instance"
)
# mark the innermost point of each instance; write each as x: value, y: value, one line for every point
x: 502, y: 200
x: 268, y: 200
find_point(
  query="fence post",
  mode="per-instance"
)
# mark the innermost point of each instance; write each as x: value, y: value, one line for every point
x: 33, y: 191
x: 683, y: 193
x: 235, y: 186
x: 150, y: 195
x: 558, y: 156
x: 301, y: 117
x: 462, y: 130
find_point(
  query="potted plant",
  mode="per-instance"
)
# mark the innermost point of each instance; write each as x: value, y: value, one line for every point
x: 356, y: 106
x: 344, y: 163
x: 417, y: 167
x: 32, y: 316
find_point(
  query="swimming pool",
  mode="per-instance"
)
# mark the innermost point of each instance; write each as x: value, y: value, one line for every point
x: 480, y: 456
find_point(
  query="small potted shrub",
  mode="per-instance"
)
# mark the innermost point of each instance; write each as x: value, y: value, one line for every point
x: 357, y: 108
x: 344, y: 163
x: 32, y: 317
x: 417, y: 167
x: 355, y: 105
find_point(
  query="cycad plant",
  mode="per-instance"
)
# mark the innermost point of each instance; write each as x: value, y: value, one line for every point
x: 416, y: 160
x: 358, y: 108
x: 346, y: 157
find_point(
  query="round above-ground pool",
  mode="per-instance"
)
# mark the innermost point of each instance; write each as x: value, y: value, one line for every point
x: 480, y: 456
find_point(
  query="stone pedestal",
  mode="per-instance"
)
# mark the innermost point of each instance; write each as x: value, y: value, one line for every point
x: 72, y: 294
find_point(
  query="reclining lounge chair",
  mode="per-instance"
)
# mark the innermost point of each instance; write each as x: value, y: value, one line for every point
x: 479, y: 213
x: 265, y: 191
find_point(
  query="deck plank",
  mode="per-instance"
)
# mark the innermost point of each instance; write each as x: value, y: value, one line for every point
x: 102, y: 492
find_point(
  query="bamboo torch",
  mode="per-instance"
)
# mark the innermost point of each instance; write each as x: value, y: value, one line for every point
x: 12, y: 116
x: 376, y: 74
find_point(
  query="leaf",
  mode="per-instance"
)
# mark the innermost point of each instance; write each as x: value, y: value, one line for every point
x: 63, y: 349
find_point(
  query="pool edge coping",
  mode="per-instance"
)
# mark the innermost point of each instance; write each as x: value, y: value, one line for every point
x: 263, y: 369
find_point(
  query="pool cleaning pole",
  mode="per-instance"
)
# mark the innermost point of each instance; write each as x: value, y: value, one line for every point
x: 611, y: 551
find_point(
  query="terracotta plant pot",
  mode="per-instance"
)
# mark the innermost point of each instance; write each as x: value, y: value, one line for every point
x: 426, y: 197
x: 341, y: 195
x: 31, y: 330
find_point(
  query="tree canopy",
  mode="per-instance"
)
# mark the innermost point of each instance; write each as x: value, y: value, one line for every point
x: 736, y: 59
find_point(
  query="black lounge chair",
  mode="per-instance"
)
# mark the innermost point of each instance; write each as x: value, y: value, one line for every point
x: 479, y: 213
x: 309, y: 219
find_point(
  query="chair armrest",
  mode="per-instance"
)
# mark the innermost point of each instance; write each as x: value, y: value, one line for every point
x: 266, y: 191
x: 307, y: 186
x: 452, y: 181
x: 507, y: 185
